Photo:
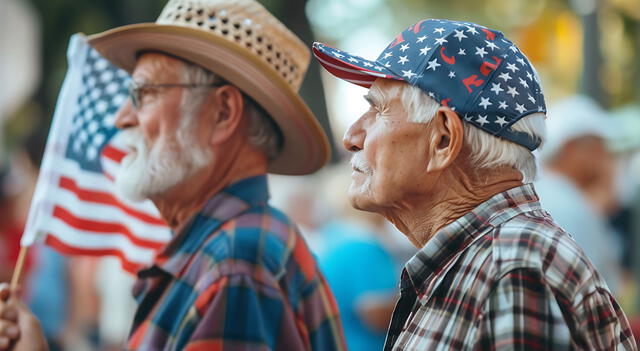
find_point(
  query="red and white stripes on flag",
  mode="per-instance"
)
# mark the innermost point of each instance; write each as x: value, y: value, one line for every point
x: 75, y: 208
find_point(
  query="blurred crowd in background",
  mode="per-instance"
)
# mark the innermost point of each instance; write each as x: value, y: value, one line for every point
x: 587, y: 53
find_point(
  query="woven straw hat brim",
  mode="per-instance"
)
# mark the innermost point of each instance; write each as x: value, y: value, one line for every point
x: 305, y: 149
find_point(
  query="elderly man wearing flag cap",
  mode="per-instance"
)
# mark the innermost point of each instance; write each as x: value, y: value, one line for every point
x: 445, y: 153
x: 214, y: 106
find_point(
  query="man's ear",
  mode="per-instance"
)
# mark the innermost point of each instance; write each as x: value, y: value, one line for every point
x: 446, y: 139
x: 224, y: 110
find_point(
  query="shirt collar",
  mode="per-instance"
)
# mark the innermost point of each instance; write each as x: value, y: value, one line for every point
x: 457, y: 236
x: 223, y: 206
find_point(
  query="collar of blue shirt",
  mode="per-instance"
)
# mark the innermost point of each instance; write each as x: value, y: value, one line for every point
x: 225, y: 205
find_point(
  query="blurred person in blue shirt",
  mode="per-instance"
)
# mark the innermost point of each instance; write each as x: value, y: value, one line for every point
x: 577, y: 185
x: 355, y: 244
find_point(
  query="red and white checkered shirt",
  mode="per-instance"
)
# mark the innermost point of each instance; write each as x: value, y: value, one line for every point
x: 505, y: 277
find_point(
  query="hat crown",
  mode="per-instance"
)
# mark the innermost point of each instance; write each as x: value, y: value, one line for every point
x: 248, y: 25
x: 475, y: 70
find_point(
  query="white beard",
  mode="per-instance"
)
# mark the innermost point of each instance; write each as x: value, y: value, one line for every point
x: 145, y: 173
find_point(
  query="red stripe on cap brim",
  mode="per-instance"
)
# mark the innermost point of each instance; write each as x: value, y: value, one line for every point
x: 350, y: 72
x: 356, y: 78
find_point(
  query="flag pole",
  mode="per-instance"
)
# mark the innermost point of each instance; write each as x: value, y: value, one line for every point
x: 17, y: 272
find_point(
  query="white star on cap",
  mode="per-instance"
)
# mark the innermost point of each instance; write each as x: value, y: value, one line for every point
x: 529, y: 76
x: 521, y: 61
x: 421, y: 39
x: 491, y: 45
x: 482, y: 120
x: 513, y: 48
x: 408, y: 74
x: 512, y: 91
x: 441, y: 41
x: 387, y: 65
x: 387, y: 54
x: 377, y: 68
x: 501, y: 121
x: 480, y: 52
x: 452, y: 74
x: 404, y: 47
x: 433, y: 64
x: 462, y: 52
x: 472, y: 30
x: 337, y: 54
x: 431, y: 94
x: 367, y: 64
x: 532, y: 99
x: 523, y: 82
x: 351, y: 59
x: 495, y: 87
x: 403, y: 59
x: 512, y: 67
x: 459, y: 34
x: 505, y: 76
x: 520, y: 108
x: 424, y: 50
x: 484, y: 102
x: 438, y: 30
x: 503, y: 104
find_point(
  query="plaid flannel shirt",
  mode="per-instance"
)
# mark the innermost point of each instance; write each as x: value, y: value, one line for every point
x: 238, y: 277
x: 505, y: 277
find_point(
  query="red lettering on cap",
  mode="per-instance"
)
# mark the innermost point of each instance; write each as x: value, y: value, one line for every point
x: 472, y: 80
x: 490, y: 35
x: 487, y: 66
x: 399, y: 39
x: 416, y: 27
x: 445, y: 102
x: 450, y: 60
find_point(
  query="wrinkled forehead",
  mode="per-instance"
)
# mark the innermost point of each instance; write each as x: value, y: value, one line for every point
x: 156, y: 67
x: 385, y: 91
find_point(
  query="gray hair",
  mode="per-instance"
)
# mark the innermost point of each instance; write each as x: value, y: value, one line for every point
x: 263, y: 133
x: 487, y: 151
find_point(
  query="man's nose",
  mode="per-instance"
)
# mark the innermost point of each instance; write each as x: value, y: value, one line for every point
x: 126, y: 116
x: 353, y: 139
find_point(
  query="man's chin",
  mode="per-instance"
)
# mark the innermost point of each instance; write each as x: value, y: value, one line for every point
x: 130, y: 181
x: 359, y: 200
x: 130, y: 189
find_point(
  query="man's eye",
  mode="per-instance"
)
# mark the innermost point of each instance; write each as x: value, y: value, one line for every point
x: 145, y: 93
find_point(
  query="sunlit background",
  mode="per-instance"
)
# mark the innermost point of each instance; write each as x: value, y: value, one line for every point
x: 578, y: 46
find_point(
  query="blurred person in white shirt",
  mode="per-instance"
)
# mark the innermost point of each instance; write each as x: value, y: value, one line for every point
x: 578, y: 183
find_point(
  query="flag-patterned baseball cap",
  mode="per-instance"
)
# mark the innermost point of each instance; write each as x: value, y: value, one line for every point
x: 474, y: 70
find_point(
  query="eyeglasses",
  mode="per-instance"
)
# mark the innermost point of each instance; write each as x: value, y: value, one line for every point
x: 138, y: 91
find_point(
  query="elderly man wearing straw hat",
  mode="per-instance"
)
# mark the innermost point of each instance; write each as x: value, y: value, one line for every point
x: 445, y: 153
x: 214, y: 106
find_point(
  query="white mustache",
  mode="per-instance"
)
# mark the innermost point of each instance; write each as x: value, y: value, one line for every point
x: 359, y: 164
x: 132, y: 139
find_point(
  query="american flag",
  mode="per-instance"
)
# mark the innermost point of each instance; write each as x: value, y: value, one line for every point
x: 75, y: 208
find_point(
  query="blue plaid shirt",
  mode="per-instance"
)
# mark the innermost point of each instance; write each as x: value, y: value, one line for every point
x: 238, y: 277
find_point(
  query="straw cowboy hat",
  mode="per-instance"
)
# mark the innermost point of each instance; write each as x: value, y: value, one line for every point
x: 243, y: 43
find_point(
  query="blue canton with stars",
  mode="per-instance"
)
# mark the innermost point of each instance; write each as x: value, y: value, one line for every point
x: 474, y: 70
x: 103, y: 91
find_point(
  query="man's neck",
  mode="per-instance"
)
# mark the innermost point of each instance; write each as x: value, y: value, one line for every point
x: 185, y: 200
x: 456, y: 195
